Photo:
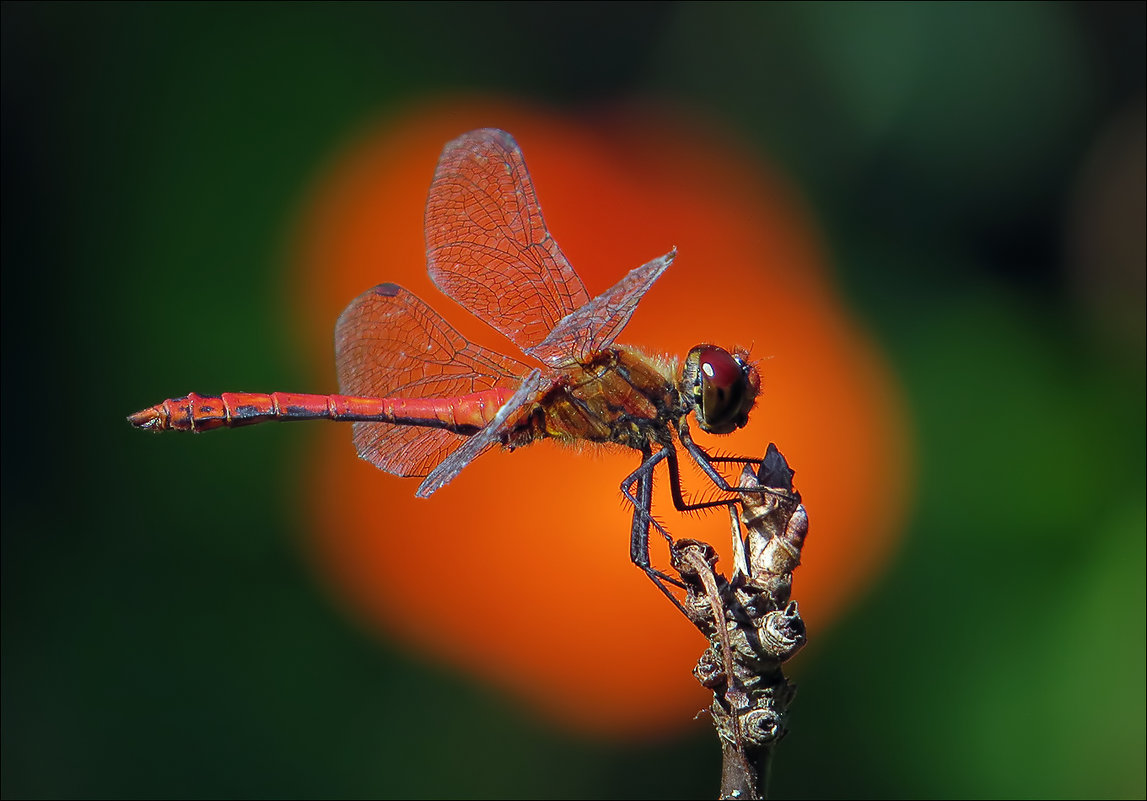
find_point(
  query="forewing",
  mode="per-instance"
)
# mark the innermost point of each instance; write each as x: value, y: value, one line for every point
x: 487, y: 245
x: 390, y: 344
x: 595, y: 325
x: 490, y: 434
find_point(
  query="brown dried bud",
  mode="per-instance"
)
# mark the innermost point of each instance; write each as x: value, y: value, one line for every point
x: 710, y: 670
x: 782, y: 633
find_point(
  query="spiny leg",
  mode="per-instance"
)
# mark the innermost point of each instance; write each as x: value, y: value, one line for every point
x: 642, y: 501
x: 704, y: 461
x: 639, y: 538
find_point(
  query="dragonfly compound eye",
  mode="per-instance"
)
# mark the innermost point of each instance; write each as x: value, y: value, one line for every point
x: 724, y: 388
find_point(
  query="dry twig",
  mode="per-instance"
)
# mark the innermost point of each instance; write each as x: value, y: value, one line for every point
x: 752, y: 625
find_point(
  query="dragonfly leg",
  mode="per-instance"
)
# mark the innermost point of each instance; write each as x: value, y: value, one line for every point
x: 705, y: 462
x: 675, y: 490
x: 638, y: 490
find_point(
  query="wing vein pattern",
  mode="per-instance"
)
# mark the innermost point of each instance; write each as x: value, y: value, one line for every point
x: 487, y: 244
x: 390, y: 344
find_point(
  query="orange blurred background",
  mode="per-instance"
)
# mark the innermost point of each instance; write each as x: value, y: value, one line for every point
x: 926, y: 219
x: 518, y: 570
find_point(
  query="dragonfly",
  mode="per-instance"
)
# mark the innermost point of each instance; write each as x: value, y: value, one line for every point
x: 425, y: 402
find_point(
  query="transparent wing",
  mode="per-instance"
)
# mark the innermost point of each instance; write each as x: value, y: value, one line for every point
x: 487, y: 244
x: 506, y: 418
x: 596, y: 324
x: 388, y: 343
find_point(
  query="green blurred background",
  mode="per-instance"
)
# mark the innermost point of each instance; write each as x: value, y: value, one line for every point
x: 978, y: 171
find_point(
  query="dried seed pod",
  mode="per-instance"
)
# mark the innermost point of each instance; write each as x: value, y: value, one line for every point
x: 782, y: 633
x: 762, y: 726
x: 710, y: 670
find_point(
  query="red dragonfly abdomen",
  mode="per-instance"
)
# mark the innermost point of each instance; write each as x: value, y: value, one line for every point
x: 464, y: 414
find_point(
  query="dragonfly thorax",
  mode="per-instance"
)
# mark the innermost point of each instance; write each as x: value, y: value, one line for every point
x: 721, y: 386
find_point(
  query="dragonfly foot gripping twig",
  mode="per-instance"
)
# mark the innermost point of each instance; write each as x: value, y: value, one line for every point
x: 752, y: 625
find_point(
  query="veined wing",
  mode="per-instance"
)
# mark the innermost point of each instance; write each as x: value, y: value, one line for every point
x: 595, y: 325
x: 488, y: 247
x: 388, y: 344
x: 505, y: 420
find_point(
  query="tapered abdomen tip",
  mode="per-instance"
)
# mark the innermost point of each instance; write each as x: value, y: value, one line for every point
x: 149, y: 419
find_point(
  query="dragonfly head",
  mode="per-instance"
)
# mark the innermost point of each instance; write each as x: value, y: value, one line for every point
x: 721, y: 386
